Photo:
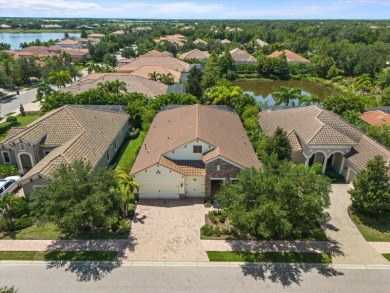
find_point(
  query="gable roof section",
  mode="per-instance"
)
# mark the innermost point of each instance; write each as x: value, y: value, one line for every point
x: 134, y: 84
x: 315, y: 126
x: 290, y: 56
x: 175, y: 127
x: 242, y: 56
x: 376, y: 117
x: 76, y: 131
x: 144, y: 71
x: 167, y: 62
x: 195, y: 54
x: 155, y: 53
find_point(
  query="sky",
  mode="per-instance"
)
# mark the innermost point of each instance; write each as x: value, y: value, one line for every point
x: 199, y: 9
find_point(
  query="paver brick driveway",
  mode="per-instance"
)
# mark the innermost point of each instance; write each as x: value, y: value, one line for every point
x: 168, y: 230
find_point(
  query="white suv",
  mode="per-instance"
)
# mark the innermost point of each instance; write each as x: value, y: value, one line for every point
x: 6, y: 183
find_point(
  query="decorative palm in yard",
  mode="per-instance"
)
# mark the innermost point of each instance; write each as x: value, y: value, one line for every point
x: 125, y: 186
x: 60, y: 78
x: 113, y: 86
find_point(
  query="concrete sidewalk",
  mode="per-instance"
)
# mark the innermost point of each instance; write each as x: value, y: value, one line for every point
x: 381, y: 247
x: 266, y: 246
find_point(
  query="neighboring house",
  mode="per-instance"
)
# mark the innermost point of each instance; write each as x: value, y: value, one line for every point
x: 177, y: 39
x: 134, y: 84
x: 76, y: 54
x: 376, y: 117
x: 199, y: 42
x: 118, y: 33
x: 155, y: 53
x: 85, y: 42
x: 92, y: 133
x: 242, y: 57
x: 96, y: 36
x: 190, y: 151
x: 124, y: 61
x: 144, y: 72
x: 261, y: 43
x: 69, y: 43
x: 51, y: 26
x: 141, y: 29
x: 225, y: 42
x: 290, y: 56
x: 95, y: 25
x: 93, y: 41
x: 167, y: 62
x: 195, y: 54
x: 32, y: 51
x: 317, y: 135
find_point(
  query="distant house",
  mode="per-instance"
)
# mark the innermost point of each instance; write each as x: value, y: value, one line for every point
x: 124, y: 61
x: 144, y: 72
x: 35, y: 51
x: 195, y: 54
x: 320, y: 136
x: 290, y: 56
x: 76, y: 54
x: 225, y: 42
x: 177, y: 39
x: 155, y: 53
x: 118, y: 33
x: 95, y: 25
x: 376, y: 117
x: 261, y: 43
x: 234, y: 29
x: 51, y: 26
x: 189, y: 152
x: 94, y: 134
x: 95, y: 36
x: 5, y: 26
x: 141, y: 28
x: 134, y: 84
x: 242, y: 57
x: 199, y: 42
x: 188, y: 27
x: 167, y: 62
x: 69, y: 43
x: 85, y: 42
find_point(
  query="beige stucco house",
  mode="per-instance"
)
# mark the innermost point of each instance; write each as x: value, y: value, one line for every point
x: 317, y: 135
x: 93, y: 133
x: 190, y: 150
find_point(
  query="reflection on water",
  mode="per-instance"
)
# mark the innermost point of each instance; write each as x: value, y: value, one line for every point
x: 262, y: 89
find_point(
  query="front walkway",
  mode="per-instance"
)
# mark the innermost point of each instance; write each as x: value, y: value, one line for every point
x: 350, y: 247
x: 381, y: 247
x: 168, y: 230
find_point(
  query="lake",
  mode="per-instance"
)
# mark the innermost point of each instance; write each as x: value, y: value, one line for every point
x: 16, y: 38
x: 262, y: 89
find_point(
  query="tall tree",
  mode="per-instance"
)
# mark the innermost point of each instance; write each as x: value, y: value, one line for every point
x: 60, y: 78
x: 154, y: 76
x: 43, y: 90
x: 194, y: 82
x: 363, y: 83
x: 285, y: 95
x: 277, y: 145
x: 74, y: 71
x: 125, y: 187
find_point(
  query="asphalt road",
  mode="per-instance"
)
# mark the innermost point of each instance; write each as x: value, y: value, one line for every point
x: 13, y: 104
x: 41, y: 277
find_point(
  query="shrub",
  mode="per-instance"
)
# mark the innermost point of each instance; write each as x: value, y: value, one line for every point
x: 210, y: 230
x: 217, y: 216
x: 4, y: 127
x: 124, y: 226
x: 11, y: 119
x: 19, y: 224
x: 131, y: 210
x: 8, y: 170
x: 135, y: 134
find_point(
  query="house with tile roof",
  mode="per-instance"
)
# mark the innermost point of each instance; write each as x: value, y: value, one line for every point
x: 134, y: 84
x: 290, y: 56
x: 190, y: 150
x: 199, y: 42
x: 242, y: 57
x: 195, y: 54
x: 261, y: 43
x: 92, y: 133
x: 317, y: 135
x: 156, y: 53
x: 376, y: 117
x: 69, y: 43
x: 225, y: 42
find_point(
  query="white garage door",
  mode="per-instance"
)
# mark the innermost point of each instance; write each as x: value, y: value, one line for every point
x: 159, y: 190
x: 195, y: 186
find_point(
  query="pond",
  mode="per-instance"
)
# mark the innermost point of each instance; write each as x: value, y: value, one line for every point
x: 16, y: 38
x: 262, y: 89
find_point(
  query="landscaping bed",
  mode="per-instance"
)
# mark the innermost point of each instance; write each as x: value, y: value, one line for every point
x: 288, y: 257
x: 371, y: 229
x: 59, y: 255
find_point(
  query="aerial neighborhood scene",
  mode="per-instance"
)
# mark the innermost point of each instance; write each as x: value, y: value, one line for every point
x: 194, y: 146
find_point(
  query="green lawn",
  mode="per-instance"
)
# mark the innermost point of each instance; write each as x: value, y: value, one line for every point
x: 59, y: 255
x: 372, y: 230
x: 289, y: 257
x: 24, y: 121
x: 387, y: 256
x: 128, y: 152
x: 49, y: 231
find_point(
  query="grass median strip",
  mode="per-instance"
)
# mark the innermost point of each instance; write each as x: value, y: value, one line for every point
x: 387, y: 256
x: 59, y: 255
x: 290, y: 257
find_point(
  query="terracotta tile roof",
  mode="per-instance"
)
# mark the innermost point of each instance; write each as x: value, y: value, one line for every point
x: 76, y: 52
x: 290, y: 56
x: 185, y: 167
x: 314, y: 126
x: 68, y: 42
x: 155, y: 53
x: 199, y: 41
x: 377, y: 117
x: 175, y: 127
x: 225, y: 41
x: 167, y: 62
x: 294, y: 141
x: 134, y: 84
x: 195, y: 54
x: 242, y: 56
x: 75, y: 131
x: 118, y: 33
x: 144, y: 71
x: 96, y: 36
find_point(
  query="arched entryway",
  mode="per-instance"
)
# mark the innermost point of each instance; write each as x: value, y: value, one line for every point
x: 331, y: 163
x: 25, y: 162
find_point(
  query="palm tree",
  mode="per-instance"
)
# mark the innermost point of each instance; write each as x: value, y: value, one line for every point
x: 363, y: 83
x: 43, y: 90
x: 154, y: 76
x: 125, y: 186
x: 167, y: 78
x: 285, y: 95
x: 93, y: 67
x: 308, y: 100
x: 74, y: 71
x: 60, y: 78
x: 113, y: 86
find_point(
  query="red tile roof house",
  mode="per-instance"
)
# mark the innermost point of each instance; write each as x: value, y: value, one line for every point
x: 190, y: 150
x: 376, y: 117
x: 317, y: 135
x: 290, y: 56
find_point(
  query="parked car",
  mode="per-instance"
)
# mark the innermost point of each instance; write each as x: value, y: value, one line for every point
x: 6, y: 183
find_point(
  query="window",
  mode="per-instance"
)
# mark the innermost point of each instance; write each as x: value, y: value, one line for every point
x: 198, y: 149
x: 6, y: 158
x: 108, y: 155
x: 218, y: 168
x: 22, y: 146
